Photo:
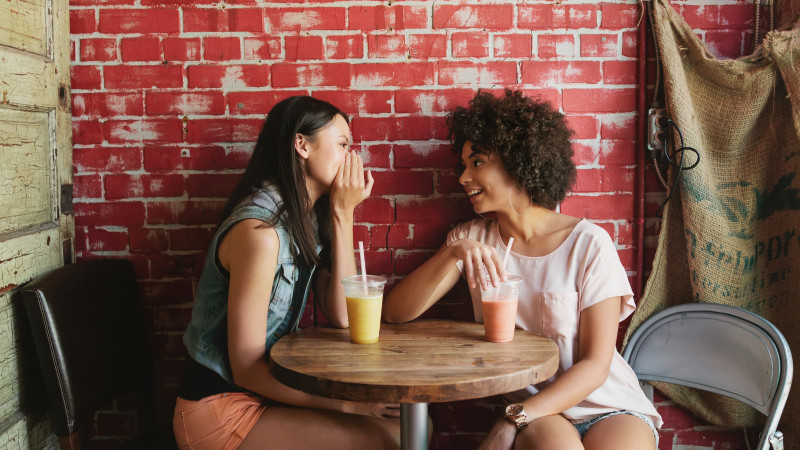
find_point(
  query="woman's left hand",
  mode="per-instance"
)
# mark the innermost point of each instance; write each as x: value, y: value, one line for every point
x: 500, y: 437
x: 389, y: 411
x: 351, y: 186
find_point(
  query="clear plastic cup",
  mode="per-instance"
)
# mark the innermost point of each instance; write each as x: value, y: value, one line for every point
x: 364, y: 304
x: 500, y: 309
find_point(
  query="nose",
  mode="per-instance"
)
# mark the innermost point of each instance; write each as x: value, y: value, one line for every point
x: 464, y: 178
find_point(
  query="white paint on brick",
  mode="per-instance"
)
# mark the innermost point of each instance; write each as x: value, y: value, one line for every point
x: 373, y: 80
x: 252, y: 47
x: 117, y: 104
x: 617, y: 120
x: 194, y: 103
x: 423, y: 150
x: 606, y: 148
x: 233, y: 79
x: 565, y: 49
x: 466, y: 16
x: 332, y: 47
x: 156, y: 184
x: 136, y: 188
x: 425, y: 103
x: 579, y: 15
x: 78, y: 103
x: 460, y: 48
x: 713, y: 48
x: 559, y: 14
x: 473, y: 75
x: 130, y: 132
x: 629, y: 40
x: 309, y: 76
x: 305, y: 19
x: 573, y: 70
x: 500, y: 44
x: 241, y: 133
x: 115, y: 161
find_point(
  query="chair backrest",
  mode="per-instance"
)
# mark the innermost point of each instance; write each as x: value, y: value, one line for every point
x: 717, y: 348
x: 90, y: 337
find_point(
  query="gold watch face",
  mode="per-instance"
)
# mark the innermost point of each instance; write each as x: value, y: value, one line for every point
x: 513, y: 409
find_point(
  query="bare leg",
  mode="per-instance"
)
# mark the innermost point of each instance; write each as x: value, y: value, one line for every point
x: 620, y: 432
x: 549, y: 433
x: 282, y: 427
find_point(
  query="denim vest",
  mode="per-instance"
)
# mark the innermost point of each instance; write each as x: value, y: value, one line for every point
x: 206, y: 338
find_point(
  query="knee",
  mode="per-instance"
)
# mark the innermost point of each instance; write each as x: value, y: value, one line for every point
x: 534, y: 442
x: 553, y: 433
x: 389, y: 435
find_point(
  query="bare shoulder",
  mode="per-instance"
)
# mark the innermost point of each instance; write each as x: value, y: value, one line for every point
x: 250, y: 238
x: 253, y: 231
x: 566, y: 222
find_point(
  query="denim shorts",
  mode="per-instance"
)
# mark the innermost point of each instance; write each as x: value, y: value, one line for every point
x: 583, y: 427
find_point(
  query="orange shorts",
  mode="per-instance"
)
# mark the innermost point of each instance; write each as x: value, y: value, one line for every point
x: 216, y: 422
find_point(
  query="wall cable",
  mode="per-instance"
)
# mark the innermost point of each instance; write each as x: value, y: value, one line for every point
x: 675, y: 156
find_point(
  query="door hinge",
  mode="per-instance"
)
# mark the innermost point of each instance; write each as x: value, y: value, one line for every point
x: 66, y: 199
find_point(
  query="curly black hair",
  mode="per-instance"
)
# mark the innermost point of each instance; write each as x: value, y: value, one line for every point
x: 531, y: 138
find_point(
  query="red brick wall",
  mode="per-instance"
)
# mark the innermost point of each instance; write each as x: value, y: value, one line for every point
x: 168, y: 97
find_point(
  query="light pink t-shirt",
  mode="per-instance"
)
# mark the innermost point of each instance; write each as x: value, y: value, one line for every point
x: 581, y: 272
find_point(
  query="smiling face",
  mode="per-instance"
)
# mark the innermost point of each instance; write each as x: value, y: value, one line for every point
x: 485, y: 180
x: 325, y: 152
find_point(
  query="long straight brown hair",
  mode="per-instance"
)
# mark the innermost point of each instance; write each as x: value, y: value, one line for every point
x: 275, y: 160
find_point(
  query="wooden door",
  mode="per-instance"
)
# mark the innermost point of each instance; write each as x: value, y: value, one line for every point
x: 36, y: 222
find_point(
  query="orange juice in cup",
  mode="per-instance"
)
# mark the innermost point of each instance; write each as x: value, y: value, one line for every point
x: 500, y: 309
x: 364, y: 302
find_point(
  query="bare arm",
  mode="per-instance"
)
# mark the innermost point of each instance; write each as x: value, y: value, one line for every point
x: 349, y: 189
x: 249, y: 251
x: 597, y: 340
x: 423, y: 287
x: 429, y: 282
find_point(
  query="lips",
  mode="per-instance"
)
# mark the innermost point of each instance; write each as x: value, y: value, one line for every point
x: 473, y: 193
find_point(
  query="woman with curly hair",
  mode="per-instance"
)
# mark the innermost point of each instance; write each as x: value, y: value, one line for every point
x: 516, y: 161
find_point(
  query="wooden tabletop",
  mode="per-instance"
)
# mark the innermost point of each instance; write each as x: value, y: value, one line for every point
x: 424, y: 361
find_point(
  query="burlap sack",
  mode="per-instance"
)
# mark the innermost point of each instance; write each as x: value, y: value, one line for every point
x: 730, y: 232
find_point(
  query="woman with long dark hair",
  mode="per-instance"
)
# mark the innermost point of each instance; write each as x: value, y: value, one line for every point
x: 287, y: 227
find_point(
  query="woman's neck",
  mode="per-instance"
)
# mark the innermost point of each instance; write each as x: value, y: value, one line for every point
x: 532, y: 223
x: 536, y: 231
x: 314, y: 193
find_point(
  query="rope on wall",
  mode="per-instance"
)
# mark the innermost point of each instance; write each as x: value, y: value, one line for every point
x: 757, y: 21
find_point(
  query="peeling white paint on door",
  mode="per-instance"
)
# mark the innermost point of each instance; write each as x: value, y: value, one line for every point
x: 35, y: 160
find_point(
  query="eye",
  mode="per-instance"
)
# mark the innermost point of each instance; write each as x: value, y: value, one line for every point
x: 477, y: 162
x: 344, y: 145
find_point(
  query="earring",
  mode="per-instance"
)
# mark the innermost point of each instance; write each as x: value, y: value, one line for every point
x: 512, y: 205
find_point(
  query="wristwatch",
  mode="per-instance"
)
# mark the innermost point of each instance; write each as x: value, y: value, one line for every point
x: 515, y: 413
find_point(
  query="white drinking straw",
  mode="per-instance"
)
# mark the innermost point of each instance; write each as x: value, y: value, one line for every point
x: 508, y: 251
x: 363, y: 266
x: 505, y: 262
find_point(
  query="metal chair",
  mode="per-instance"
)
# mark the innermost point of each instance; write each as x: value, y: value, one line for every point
x: 721, y: 349
x: 89, y: 332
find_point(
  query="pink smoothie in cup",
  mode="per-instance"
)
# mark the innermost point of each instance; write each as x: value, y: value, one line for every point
x: 499, y: 318
x: 500, y: 310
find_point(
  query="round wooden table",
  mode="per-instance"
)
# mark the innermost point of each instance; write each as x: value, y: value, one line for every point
x: 416, y: 363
